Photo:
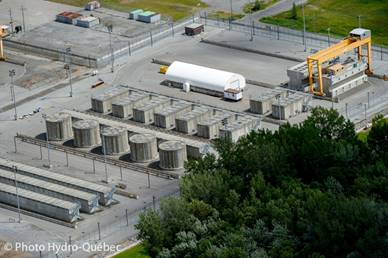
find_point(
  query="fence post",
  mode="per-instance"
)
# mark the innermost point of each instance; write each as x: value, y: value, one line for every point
x: 14, y: 142
x: 381, y: 51
x: 278, y: 30
x: 126, y: 216
x: 99, y: 230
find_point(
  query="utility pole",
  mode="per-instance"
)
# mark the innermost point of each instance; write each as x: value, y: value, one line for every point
x: 328, y: 36
x: 17, y: 191
x: 304, y: 28
x: 68, y: 69
x: 110, y: 30
x: 24, y: 24
x: 12, y: 74
x: 231, y: 10
x: 11, y: 20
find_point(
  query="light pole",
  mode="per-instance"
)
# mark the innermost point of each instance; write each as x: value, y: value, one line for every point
x: 328, y: 36
x: 359, y: 21
x: 17, y: 191
x: 105, y: 165
x: 47, y: 142
x: 11, y: 20
x: 231, y: 10
x: 68, y: 69
x: 24, y: 24
x: 110, y: 29
x: 12, y: 74
x: 304, y: 28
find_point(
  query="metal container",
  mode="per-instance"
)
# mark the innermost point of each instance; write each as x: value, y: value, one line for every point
x: 86, y: 133
x: 59, y: 127
x: 114, y: 140
x: 172, y: 155
x: 143, y: 148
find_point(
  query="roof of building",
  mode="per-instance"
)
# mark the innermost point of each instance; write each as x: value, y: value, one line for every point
x: 194, y: 26
x: 137, y: 11
x: 47, y: 185
x: 70, y: 15
x: 204, y: 77
x: 147, y: 13
x: 39, y: 197
x: 55, y: 176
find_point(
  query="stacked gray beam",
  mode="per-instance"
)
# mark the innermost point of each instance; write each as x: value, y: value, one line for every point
x: 237, y: 129
x: 105, y: 193
x: 143, y: 148
x: 102, y: 103
x: 114, y: 140
x: 144, y: 113
x: 187, y: 123
x: 172, y: 155
x: 123, y: 107
x: 210, y: 128
x: 165, y: 118
x: 39, y: 203
x: 59, y: 127
x: 263, y: 104
x: 86, y: 133
x: 88, y: 201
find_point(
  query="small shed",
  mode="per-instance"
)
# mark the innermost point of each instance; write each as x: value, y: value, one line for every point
x: 92, y: 5
x: 87, y: 22
x: 68, y: 17
x: 133, y: 15
x: 149, y: 17
x: 194, y: 29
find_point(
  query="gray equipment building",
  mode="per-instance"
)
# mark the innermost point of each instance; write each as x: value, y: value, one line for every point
x: 105, y: 193
x: 88, y: 201
x: 39, y: 203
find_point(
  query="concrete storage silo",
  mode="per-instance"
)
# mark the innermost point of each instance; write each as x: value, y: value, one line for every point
x: 114, y: 140
x: 143, y: 147
x: 172, y: 155
x: 58, y: 127
x: 86, y: 133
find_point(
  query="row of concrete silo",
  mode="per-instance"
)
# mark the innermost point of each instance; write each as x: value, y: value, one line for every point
x: 53, y: 195
x: 280, y: 104
x: 172, y: 114
x: 115, y: 141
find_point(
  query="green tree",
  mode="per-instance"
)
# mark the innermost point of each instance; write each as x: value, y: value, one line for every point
x: 294, y: 12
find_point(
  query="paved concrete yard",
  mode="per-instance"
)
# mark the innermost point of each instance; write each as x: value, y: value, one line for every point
x: 36, y: 13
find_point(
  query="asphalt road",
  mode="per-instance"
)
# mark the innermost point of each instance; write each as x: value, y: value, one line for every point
x: 281, y: 6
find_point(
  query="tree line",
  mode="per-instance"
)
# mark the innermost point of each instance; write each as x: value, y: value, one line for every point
x: 307, y: 190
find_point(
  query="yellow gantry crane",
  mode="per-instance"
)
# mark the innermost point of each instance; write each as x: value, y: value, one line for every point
x: 357, y: 39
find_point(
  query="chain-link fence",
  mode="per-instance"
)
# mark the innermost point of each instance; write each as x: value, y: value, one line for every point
x: 311, y: 40
x: 360, y: 113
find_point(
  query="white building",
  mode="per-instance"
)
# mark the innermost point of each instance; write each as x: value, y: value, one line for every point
x: 204, y: 79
